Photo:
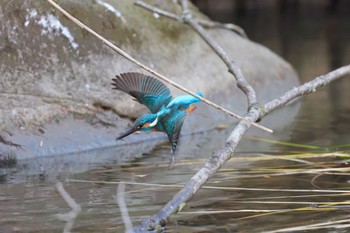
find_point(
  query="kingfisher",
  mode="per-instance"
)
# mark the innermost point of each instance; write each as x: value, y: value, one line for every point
x: 166, y: 114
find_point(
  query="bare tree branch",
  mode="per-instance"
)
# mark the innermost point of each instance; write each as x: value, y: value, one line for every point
x: 203, y: 22
x: 228, y: 26
x: 306, y: 88
x: 158, y: 11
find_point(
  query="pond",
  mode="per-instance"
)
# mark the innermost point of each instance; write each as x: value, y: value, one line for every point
x: 300, y: 183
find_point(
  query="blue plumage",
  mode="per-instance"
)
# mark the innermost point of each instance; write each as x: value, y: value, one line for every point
x: 147, y: 90
x: 167, y: 113
x: 184, y: 101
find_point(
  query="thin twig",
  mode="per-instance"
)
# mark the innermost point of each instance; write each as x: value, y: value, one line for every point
x: 306, y: 88
x: 72, y: 215
x: 123, y: 208
x: 160, y: 76
x: 227, y: 26
x: 203, y: 22
x: 157, y: 10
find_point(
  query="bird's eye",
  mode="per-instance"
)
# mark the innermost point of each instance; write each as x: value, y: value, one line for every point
x: 139, y: 127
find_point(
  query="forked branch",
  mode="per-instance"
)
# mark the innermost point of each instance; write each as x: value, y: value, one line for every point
x: 306, y: 88
x: 218, y: 158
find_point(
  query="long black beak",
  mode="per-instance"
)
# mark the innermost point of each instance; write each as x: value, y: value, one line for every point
x: 130, y: 131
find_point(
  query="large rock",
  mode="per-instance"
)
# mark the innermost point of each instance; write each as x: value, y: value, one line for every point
x: 55, y: 87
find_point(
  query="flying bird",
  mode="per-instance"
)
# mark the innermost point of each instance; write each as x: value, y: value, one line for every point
x: 166, y: 114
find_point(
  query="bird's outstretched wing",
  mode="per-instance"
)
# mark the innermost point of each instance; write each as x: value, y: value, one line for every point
x: 146, y: 89
x: 172, y: 124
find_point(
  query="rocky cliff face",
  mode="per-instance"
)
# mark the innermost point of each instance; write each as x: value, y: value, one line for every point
x: 55, y: 87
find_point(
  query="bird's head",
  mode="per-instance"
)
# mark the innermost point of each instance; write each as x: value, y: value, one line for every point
x: 144, y: 122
